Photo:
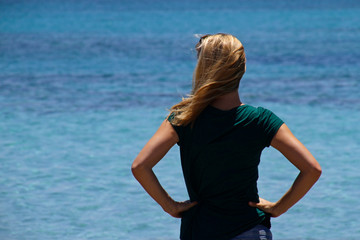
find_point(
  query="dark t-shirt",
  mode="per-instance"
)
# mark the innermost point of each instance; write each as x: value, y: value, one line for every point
x: 220, y: 155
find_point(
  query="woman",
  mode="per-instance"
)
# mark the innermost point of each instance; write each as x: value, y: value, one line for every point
x: 220, y: 141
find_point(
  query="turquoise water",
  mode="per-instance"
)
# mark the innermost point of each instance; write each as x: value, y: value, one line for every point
x: 84, y: 85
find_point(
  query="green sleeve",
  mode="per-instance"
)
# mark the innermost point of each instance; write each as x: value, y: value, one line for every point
x: 178, y: 129
x: 269, y: 124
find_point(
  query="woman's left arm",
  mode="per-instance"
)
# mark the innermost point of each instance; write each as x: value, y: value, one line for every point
x: 155, y: 149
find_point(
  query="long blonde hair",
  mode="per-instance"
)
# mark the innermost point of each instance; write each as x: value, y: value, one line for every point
x: 219, y: 69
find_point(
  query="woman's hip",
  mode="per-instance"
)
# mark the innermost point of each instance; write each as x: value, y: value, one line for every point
x: 259, y: 232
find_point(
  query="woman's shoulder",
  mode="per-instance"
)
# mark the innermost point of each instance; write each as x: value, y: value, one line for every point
x: 255, y: 108
x: 255, y: 113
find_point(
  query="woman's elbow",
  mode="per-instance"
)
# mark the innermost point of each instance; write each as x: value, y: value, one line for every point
x: 315, y: 171
x: 137, y: 168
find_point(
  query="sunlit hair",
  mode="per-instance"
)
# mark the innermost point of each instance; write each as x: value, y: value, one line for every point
x: 219, y: 69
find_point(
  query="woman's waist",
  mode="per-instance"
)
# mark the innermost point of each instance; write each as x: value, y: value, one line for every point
x: 229, y: 207
x: 228, y: 201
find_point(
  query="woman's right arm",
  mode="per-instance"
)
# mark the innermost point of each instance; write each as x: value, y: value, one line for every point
x: 301, y: 158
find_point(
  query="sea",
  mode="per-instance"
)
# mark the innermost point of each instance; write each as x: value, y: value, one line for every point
x: 84, y: 84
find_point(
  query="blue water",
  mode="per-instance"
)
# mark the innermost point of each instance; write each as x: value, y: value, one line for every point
x: 84, y: 85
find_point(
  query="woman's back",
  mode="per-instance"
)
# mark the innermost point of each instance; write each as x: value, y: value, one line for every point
x: 220, y: 154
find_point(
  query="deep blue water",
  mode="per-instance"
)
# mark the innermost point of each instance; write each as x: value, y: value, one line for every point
x: 84, y: 85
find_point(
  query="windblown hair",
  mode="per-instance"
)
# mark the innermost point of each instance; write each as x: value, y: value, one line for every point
x: 219, y: 69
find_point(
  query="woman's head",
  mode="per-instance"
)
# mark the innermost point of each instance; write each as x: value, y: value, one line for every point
x: 219, y: 69
x: 221, y: 61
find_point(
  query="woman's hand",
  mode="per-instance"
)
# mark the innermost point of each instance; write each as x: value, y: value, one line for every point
x: 177, y: 208
x: 266, y: 206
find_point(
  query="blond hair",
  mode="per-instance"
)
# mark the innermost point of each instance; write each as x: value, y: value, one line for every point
x: 219, y: 69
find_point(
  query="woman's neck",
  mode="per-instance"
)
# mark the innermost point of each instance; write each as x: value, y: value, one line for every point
x: 227, y: 101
